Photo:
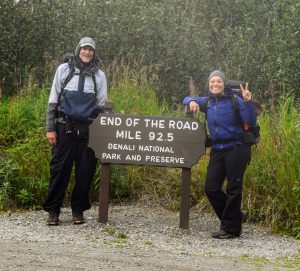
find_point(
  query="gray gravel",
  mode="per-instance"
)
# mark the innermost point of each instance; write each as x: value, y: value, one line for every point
x: 138, y: 237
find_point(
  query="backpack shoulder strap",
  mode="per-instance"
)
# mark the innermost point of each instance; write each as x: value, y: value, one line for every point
x: 95, y: 86
x: 67, y: 80
x: 236, y: 108
x: 69, y: 76
x: 234, y: 104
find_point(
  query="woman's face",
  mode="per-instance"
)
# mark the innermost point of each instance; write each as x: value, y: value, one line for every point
x: 216, y: 85
x: 86, y: 54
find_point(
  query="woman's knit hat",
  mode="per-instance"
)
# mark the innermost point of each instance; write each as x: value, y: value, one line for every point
x: 218, y: 73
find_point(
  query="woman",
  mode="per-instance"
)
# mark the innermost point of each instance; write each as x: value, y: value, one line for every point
x: 229, y: 154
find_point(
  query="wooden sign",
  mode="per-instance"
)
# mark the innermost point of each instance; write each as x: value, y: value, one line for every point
x: 151, y: 141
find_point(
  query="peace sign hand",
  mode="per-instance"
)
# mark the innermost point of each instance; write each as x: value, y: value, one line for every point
x: 245, y: 92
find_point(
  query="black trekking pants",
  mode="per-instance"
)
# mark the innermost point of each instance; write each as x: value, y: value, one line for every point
x: 67, y: 151
x: 230, y: 164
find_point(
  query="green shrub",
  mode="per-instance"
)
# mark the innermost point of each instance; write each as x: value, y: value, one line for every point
x: 251, y: 40
x: 272, y: 182
x: 25, y: 153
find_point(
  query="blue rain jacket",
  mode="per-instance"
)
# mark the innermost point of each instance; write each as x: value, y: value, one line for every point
x: 224, y: 126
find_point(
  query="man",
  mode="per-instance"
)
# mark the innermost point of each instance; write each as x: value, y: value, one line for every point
x: 78, y: 94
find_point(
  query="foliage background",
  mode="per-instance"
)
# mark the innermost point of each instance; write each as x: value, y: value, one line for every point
x: 158, y: 51
x: 254, y: 40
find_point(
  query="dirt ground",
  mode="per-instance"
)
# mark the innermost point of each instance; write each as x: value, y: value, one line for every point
x: 40, y: 256
x: 137, y: 238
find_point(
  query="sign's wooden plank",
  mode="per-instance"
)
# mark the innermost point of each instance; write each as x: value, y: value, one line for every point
x: 150, y: 141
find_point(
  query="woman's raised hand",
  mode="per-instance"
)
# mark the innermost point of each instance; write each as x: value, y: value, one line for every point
x: 245, y: 92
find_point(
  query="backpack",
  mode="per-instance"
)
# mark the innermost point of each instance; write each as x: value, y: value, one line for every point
x: 251, y: 135
x: 76, y: 105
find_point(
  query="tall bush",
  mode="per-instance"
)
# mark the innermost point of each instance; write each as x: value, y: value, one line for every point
x: 24, y: 152
x: 257, y: 41
x: 272, y: 187
x: 272, y: 180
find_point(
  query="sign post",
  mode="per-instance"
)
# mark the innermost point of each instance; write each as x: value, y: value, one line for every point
x: 185, y: 195
x: 147, y: 141
x: 103, y: 193
x: 185, y: 191
x: 104, y: 182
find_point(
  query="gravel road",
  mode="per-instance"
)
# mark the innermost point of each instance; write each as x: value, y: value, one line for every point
x: 138, y: 237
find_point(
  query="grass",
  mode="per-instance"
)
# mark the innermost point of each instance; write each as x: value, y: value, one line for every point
x: 110, y: 230
x: 121, y: 235
x: 24, y: 153
x: 113, y: 231
x: 149, y: 243
x: 291, y: 263
x: 272, y: 180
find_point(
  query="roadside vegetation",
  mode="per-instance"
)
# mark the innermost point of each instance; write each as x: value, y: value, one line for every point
x: 154, y: 53
x: 272, y: 185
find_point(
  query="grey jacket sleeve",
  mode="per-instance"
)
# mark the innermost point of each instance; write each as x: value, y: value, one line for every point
x: 101, y: 89
x: 51, y: 116
x: 60, y: 75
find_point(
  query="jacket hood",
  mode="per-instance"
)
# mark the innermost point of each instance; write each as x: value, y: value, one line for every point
x: 84, y: 42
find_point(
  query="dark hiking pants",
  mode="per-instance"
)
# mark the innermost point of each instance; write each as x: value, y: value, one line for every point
x: 67, y: 151
x: 230, y: 164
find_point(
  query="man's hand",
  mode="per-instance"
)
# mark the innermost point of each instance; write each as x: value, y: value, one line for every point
x: 51, y: 136
x: 245, y: 92
x: 194, y: 107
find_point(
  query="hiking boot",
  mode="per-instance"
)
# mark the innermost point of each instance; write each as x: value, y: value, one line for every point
x: 78, y: 218
x: 53, y: 219
x: 224, y: 235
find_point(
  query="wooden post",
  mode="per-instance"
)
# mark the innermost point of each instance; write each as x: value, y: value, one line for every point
x: 185, y: 198
x: 103, y: 193
x: 185, y: 189
x: 104, y: 181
